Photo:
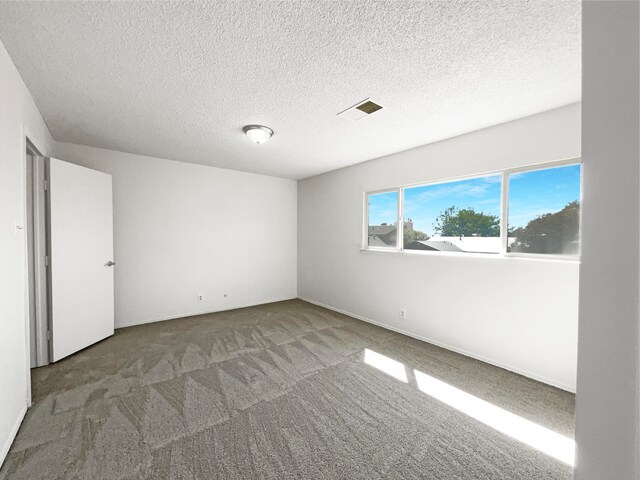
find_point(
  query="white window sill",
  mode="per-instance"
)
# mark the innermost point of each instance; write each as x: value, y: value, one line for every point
x: 500, y: 256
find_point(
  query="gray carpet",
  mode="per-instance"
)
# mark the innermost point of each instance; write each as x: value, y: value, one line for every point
x: 278, y: 391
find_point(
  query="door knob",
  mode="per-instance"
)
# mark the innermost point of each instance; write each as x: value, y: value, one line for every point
x: 110, y: 264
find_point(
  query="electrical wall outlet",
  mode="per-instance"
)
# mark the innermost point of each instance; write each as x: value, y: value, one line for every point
x: 403, y: 314
x: 200, y: 297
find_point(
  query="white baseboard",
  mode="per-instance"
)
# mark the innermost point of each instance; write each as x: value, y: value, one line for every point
x: 482, y: 358
x: 193, y: 314
x: 12, y: 435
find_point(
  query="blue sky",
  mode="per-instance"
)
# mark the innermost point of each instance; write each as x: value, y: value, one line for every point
x: 531, y: 194
x: 383, y: 208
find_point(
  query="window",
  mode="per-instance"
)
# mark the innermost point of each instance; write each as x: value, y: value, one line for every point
x: 517, y: 212
x: 544, y: 211
x: 460, y: 216
x: 382, y: 223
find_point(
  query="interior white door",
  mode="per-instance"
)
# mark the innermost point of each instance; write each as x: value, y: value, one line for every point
x: 81, y: 246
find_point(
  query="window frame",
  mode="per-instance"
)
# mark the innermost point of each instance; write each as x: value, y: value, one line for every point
x: 365, y: 230
x: 504, y: 213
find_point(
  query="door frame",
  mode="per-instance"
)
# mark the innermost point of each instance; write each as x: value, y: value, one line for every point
x: 35, y: 227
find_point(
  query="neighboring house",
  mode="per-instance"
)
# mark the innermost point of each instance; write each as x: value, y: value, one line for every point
x: 385, y: 235
x: 420, y: 245
x: 382, y: 235
x: 460, y: 244
x: 433, y: 244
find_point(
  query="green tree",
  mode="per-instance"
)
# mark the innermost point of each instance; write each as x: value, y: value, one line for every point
x: 455, y: 222
x: 414, y: 236
x: 550, y: 233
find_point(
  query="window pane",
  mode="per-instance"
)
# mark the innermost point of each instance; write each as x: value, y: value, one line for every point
x: 383, y: 219
x: 460, y: 216
x: 544, y: 211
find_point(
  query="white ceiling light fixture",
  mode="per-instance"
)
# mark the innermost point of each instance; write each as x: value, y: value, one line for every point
x: 258, y: 133
x: 417, y: 88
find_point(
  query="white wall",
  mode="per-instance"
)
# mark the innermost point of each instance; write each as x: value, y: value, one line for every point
x: 517, y: 313
x: 19, y: 117
x: 182, y: 229
x: 607, y: 403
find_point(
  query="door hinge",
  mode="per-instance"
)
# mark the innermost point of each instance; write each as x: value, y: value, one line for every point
x: 49, y: 335
x: 46, y: 185
x: 46, y: 260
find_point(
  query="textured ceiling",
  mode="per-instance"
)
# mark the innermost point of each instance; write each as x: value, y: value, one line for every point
x: 180, y: 80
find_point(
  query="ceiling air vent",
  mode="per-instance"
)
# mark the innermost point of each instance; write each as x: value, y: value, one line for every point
x: 360, y: 110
